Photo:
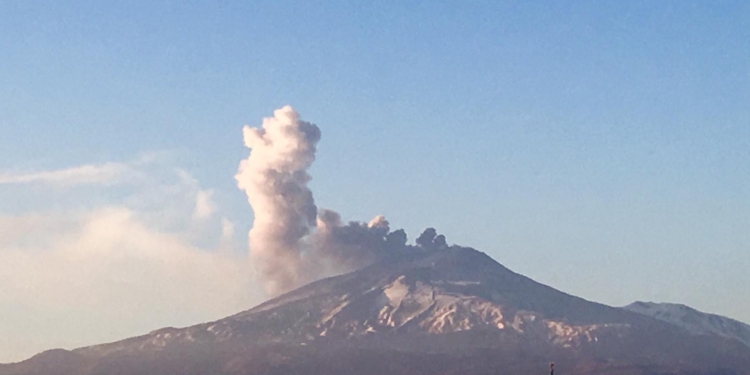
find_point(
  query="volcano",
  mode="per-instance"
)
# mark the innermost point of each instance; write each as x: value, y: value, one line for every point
x: 452, y: 310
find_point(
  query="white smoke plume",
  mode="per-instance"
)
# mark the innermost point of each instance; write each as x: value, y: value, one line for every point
x: 290, y: 242
x: 275, y: 180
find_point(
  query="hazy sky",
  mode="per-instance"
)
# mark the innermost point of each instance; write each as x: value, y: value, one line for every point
x: 598, y: 147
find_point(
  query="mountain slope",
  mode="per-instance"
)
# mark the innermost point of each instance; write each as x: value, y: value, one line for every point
x: 444, y: 291
x: 447, y: 311
x: 695, y: 321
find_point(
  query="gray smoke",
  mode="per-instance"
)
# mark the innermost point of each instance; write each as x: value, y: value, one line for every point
x: 290, y: 242
x: 355, y: 245
x: 431, y: 240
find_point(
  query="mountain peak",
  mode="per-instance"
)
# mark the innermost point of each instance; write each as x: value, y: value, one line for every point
x: 424, y: 305
x: 433, y: 291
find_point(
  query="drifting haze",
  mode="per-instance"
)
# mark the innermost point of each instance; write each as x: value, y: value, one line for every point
x: 140, y: 243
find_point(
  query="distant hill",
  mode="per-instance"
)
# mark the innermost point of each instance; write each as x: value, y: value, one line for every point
x: 698, y: 323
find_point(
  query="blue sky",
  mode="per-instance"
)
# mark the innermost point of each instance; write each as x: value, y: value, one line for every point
x: 599, y: 147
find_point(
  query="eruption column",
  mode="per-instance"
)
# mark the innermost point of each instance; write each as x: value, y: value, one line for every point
x: 275, y: 179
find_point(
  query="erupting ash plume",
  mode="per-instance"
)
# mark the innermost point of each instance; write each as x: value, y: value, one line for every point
x: 354, y: 245
x: 290, y: 242
x: 275, y: 180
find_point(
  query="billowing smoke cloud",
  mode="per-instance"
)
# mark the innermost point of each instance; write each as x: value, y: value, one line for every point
x: 290, y: 242
x: 275, y: 179
x: 354, y: 245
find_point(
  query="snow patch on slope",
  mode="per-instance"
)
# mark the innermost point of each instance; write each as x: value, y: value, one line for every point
x: 396, y: 292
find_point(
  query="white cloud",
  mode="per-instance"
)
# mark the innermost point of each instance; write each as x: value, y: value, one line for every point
x: 102, y: 174
x: 115, y: 268
x: 204, y: 206
x: 227, y: 229
x: 109, y: 248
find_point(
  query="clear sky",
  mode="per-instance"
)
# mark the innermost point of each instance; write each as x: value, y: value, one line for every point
x: 598, y: 147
